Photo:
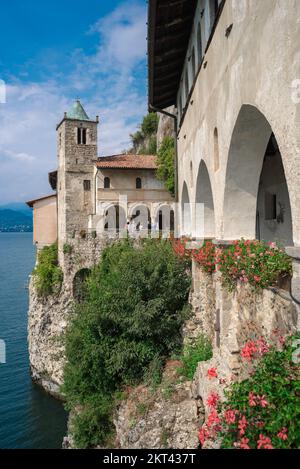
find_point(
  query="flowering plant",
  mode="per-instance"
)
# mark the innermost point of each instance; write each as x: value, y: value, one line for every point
x: 253, y: 262
x: 206, y: 256
x: 261, y: 412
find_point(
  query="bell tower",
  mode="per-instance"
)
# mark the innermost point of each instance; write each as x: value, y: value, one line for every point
x: 77, y: 154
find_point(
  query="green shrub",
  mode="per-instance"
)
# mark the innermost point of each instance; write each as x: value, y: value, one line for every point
x: 193, y: 354
x: 165, y: 161
x: 67, y: 249
x: 47, y: 274
x: 150, y: 124
x: 129, y: 322
x: 269, y: 402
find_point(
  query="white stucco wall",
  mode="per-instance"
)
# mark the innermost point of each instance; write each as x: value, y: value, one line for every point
x: 250, y: 75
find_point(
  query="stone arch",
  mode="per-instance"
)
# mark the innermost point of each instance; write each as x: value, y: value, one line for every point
x: 248, y: 154
x: 204, y: 196
x: 186, y: 212
x: 79, y: 285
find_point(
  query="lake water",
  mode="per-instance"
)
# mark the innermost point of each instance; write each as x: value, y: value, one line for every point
x: 29, y: 418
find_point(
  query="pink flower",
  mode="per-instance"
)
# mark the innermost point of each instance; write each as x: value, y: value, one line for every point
x: 264, y: 442
x: 262, y: 346
x: 263, y: 402
x: 256, y: 278
x: 213, y: 399
x: 242, y: 425
x: 213, y: 419
x: 212, y: 373
x: 230, y: 416
x: 283, y: 434
x: 244, y: 443
x: 249, y: 350
x: 281, y: 340
x: 203, y: 435
x: 252, y: 399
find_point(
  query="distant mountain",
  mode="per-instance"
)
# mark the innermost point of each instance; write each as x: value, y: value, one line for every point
x: 11, y: 220
x: 18, y: 207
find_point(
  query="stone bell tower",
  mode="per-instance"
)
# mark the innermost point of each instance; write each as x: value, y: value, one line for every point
x: 77, y: 155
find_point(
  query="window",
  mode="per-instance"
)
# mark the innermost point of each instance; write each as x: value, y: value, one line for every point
x: 87, y: 185
x: 199, y: 42
x: 81, y: 136
x: 138, y: 183
x: 270, y: 206
x: 106, y: 183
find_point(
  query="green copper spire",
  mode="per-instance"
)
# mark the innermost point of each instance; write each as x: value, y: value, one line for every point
x: 77, y: 112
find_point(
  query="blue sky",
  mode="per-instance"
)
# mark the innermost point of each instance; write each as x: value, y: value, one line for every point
x: 54, y: 51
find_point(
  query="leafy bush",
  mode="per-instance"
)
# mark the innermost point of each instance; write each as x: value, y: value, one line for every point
x: 150, y: 124
x: 193, y: 354
x: 130, y: 320
x: 67, y: 249
x: 47, y: 274
x: 253, y: 262
x: 144, y: 140
x: 264, y: 411
x: 165, y: 161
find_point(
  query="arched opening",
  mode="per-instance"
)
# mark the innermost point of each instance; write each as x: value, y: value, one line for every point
x: 115, y: 219
x: 80, y: 285
x: 216, y: 150
x: 165, y: 219
x: 140, y: 219
x: 256, y: 199
x: 138, y: 183
x: 186, y: 215
x: 274, y: 216
x: 205, y: 214
x: 106, y: 183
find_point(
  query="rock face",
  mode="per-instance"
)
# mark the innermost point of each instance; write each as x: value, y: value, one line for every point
x: 47, y: 322
x: 165, y: 126
x: 166, y: 418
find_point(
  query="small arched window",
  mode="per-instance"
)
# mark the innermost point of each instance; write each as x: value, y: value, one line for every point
x: 81, y: 136
x: 138, y: 183
x: 106, y: 183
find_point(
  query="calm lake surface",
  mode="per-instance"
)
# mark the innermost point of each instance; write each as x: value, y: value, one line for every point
x: 29, y: 418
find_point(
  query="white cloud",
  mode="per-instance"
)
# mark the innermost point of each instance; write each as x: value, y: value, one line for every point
x: 109, y: 84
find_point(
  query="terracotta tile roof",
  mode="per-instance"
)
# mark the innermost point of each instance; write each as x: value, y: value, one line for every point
x: 127, y: 162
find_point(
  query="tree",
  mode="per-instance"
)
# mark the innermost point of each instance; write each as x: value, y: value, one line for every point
x: 166, y: 167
